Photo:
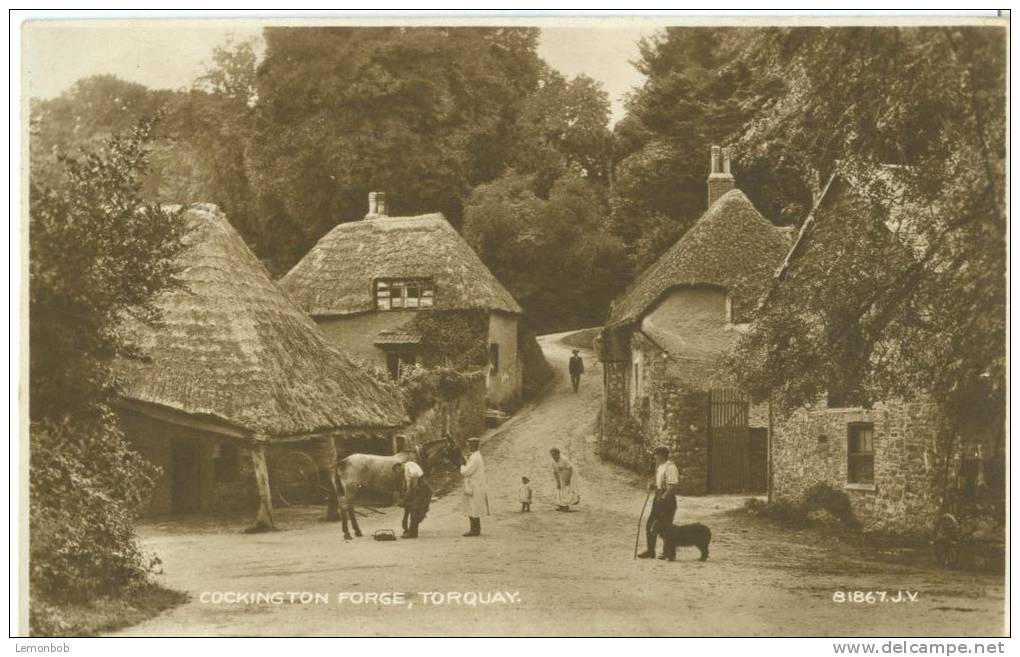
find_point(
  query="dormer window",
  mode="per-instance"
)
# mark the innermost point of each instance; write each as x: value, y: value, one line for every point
x: 400, y: 293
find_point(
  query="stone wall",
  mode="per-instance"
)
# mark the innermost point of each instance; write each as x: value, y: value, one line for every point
x: 810, y: 446
x: 657, y: 411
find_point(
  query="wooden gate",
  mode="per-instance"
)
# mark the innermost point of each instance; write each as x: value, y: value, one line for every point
x: 729, y: 443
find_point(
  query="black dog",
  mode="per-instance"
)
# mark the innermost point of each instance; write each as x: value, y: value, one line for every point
x: 696, y: 534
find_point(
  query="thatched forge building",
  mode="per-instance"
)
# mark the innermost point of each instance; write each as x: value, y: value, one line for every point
x: 666, y: 334
x: 234, y: 369
x: 399, y: 291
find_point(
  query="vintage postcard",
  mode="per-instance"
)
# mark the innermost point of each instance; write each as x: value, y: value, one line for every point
x: 504, y: 326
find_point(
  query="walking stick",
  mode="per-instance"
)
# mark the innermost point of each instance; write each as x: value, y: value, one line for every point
x: 637, y: 538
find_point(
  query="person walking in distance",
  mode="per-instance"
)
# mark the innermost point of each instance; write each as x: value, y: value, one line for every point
x: 476, y: 498
x: 660, y: 520
x: 576, y: 368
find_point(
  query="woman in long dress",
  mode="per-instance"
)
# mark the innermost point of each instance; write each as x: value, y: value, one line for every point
x: 563, y: 472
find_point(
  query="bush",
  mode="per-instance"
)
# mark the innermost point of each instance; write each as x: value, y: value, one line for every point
x: 82, y: 507
x: 536, y: 369
x: 782, y: 511
x: 824, y: 497
x: 423, y: 388
x: 820, y: 501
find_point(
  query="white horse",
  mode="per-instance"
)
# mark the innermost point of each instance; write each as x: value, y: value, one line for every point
x: 373, y: 472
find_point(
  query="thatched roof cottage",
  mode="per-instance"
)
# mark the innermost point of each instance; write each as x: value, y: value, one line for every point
x: 371, y: 284
x: 665, y: 338
x: 234, y: 366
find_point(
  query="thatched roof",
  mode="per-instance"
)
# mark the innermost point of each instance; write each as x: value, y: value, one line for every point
x: 731, y: 246
x: 232, y: 347
x: 336, y: 276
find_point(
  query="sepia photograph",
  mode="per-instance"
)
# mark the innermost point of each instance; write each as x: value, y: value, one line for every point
x: 513, y: 326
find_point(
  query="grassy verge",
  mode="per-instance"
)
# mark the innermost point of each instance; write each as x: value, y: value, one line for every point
x: 105, y: 614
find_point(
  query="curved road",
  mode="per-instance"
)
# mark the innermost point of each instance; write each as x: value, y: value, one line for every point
x: 555, y: 573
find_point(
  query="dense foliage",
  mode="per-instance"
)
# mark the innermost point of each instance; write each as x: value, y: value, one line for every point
x: 902, y: 290
x: 99, y: 254
x: 457, y: 339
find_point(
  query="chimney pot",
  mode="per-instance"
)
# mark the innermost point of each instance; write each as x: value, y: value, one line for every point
x: 376, y: 205
x: 720, y: 180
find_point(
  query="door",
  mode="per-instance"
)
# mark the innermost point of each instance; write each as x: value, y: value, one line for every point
x: 729, y: 443
x: 184, y: 476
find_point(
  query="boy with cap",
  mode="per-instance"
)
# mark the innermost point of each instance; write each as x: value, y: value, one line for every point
x: 667, y: 478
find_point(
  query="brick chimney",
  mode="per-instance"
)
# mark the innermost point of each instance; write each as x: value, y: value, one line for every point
x: 376, y: 205
x: 720, y: 180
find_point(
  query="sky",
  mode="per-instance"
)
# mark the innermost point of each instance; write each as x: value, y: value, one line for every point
x: 171, y: 54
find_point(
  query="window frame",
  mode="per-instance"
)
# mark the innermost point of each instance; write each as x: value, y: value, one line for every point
x: 854, y: 459
x: 383, y: 288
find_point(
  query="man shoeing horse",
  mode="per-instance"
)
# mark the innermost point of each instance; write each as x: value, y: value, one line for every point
x: 417, y: 497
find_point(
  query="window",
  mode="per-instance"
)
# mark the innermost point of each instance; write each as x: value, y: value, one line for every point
x: 226, y: 462
x: 398, y: 293
x: 860, y: 451
x: 396, y: 361
x: 493, y: 358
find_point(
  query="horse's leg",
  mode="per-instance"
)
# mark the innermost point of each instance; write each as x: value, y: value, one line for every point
x: 343, y: 519
x: 354, y: 520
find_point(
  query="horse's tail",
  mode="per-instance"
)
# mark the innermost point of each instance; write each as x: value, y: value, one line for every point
x: 338, y: 481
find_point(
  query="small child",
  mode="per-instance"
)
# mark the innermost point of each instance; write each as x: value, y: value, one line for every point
x: 525, y: 495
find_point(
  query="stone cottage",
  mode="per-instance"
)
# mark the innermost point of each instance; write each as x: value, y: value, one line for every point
x: 666, y: 336
x: 400, y: 291
x: 234, y: 375
x: 894, y: 458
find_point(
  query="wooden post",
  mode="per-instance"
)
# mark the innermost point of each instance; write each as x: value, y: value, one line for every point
x: 264, y: 519
x: 327, y: 472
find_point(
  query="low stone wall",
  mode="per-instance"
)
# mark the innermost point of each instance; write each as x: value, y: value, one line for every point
x: 810, y: 446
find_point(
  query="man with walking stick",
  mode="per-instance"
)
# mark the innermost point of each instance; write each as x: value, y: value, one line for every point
x: 660, y: 519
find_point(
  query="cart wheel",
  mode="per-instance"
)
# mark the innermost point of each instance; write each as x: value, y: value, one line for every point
x: 946, y: 540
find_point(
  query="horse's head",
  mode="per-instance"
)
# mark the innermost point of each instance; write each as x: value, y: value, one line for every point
x: 439, y: 454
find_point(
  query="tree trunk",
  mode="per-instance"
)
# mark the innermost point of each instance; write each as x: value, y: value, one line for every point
x: 264, y: 519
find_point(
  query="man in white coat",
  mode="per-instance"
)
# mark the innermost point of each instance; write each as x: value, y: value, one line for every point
x: 476, y: 498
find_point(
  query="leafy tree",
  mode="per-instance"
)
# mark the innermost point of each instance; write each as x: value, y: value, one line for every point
x: 698, y: 92
x: 563, y: 127
x: 99, y: 253
x: 553, y: 254
x: 426, y: 112
x: 853, y: 317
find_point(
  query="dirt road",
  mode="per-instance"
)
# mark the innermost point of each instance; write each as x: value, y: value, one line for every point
x: 555, y: 573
